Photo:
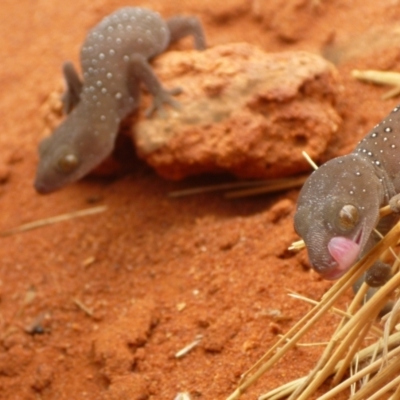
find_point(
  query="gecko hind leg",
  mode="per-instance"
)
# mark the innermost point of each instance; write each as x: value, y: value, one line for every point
x: 181, y: 26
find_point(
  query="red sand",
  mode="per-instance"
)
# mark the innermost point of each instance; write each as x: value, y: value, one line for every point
x: 154, y: 272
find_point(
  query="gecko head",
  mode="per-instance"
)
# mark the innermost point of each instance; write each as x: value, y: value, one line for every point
x: 337, y: 209
x: 77, y: 146
x: 57, y: 166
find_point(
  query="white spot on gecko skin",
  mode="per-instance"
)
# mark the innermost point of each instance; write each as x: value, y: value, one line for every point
x: 102, y: 118
x: 118, y: 40
x: 393, y: 146
x: 104, y: 90
x: 395, y: 109
x: 118, y: 95
x: 109, y: 75
x: 111, y: 52
x: 374, y: 135
x: 358, y: 173
x: 102, y: 56
x: 99, y: 83
x: 388, y: 130
x: 377, y: 163
x: 385, y: 139
x: 351, y: 192
x: 126, y: 58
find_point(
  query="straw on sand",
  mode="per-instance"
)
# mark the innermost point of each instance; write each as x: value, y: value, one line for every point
x: 381, y: 360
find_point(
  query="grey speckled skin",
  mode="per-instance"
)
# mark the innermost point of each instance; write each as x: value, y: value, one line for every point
x: 114, y: 59
x: 366, y: 179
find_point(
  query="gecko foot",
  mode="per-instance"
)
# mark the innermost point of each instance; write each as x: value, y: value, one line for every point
x: 378, y: 274
x: 164, y: 97
x: 394, y: 203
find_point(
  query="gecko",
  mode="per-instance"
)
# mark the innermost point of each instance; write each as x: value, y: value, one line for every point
x: 338, y: 206
x: 115, y: 62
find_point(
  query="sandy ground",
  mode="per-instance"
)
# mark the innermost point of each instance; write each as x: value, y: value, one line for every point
x: 97, y: 307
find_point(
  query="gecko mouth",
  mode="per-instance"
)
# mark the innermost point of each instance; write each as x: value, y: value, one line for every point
x: 344, y: 252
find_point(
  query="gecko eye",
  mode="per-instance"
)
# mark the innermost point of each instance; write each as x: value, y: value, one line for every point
x: 67, y: 163
x: 348, y: 217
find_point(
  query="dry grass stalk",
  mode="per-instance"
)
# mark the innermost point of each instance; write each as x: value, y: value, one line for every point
x: 215, y: 188
x: 271, y: 186
x: 396, y: 395
x: 83, y: 307
x: 251, y: 187
x: 370, y: 368
x: 256, y: 187
x: 54, y: 220
x: 363, y: 356
x: 377, y: 383
x: 309, y: 160
x: 380, y: 78
x: 282, y: 391
x: 344, y: 338
x: 392, y: 341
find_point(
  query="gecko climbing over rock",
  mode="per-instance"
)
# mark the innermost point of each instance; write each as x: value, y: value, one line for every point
x: 338, y: 206
x: 114, y: 60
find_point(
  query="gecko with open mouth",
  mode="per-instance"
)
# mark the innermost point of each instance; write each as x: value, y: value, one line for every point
x: 114, y: 59
x: 338, y: 206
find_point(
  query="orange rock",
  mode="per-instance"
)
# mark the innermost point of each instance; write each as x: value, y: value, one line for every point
x: 243, y: 110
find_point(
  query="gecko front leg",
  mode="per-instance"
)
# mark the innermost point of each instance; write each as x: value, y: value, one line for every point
x: 141, y: 71
x: 72, y: 94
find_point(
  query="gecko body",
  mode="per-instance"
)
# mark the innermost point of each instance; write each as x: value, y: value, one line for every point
x: 114, y: 60
x: 338, y: 206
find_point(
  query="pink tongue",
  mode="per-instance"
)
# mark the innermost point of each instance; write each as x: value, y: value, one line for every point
x: 344, y: 251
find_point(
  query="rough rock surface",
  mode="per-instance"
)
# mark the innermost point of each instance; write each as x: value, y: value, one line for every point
x: 243, y: 111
